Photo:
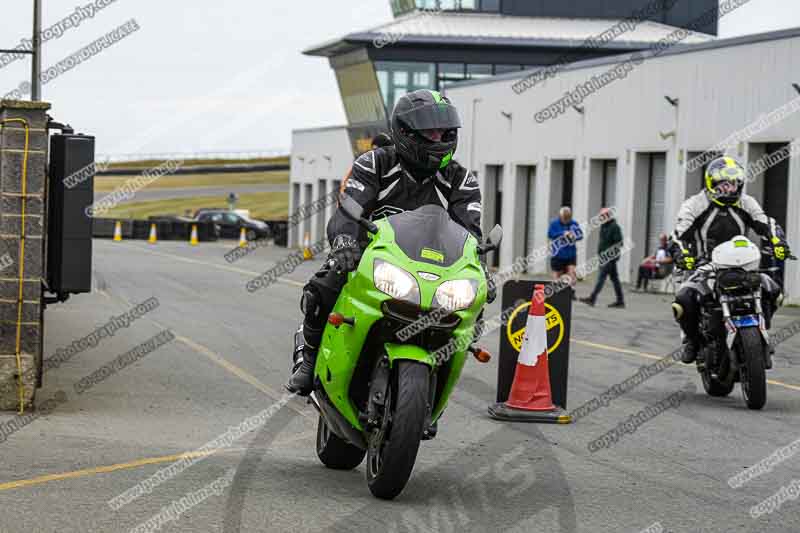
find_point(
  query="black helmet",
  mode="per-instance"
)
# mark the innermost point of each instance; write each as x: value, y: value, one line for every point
x: 381, y: 140
x: 725, y: 178
x: 425, y: 110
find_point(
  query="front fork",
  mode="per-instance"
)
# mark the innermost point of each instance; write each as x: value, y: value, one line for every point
x: 379, y: 390
x: 731, y: 327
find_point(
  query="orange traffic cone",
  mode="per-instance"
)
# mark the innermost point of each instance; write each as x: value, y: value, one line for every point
x: 153, y: 237
x: 193, y: 238
x: 531, y: 399
x: 118, y: 231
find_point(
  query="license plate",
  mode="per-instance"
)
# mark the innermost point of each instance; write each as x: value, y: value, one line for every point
x: 745, y: 321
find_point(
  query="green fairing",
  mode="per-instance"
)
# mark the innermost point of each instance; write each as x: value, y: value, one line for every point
x: 341, y: 348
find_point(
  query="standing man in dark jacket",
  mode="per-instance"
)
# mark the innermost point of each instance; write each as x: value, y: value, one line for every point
x: 609, y: 246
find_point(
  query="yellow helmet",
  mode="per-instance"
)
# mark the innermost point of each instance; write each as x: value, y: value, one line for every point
x: 725, y: 181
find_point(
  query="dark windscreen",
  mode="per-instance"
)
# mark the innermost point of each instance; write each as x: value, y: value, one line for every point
x: 429, y: 234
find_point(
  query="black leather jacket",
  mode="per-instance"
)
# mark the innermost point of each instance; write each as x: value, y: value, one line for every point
x: 383, y: 187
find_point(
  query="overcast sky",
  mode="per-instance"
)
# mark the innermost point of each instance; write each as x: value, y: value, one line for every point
x: 204, y: 75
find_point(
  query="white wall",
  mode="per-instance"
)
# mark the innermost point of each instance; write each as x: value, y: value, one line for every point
x: 323, y: 153
x: 721, y: 90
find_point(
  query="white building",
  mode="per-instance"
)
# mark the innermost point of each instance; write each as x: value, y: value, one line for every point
x: 320, y: 160
x: 627, y: 144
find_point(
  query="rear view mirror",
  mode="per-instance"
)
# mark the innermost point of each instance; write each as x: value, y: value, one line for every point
x: 493, y: 240
x: 495, y: 236
x: 351, y: 208
x: 354, y: 211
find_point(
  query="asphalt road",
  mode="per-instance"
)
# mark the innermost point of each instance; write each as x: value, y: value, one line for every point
x: 148, y: 195
x: 229, y: 359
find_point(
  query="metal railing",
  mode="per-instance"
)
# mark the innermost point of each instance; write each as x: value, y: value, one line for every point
x: 189, y: 156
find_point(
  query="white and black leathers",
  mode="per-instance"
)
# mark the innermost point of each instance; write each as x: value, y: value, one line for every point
x: 702, y: 224
x: 383, y: 186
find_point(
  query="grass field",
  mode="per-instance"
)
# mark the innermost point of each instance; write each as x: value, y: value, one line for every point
x: 109, y: 183
x: 266, y: 205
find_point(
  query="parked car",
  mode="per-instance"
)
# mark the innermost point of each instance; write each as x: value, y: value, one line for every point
x: 231, y: 223
x: 208, y: 210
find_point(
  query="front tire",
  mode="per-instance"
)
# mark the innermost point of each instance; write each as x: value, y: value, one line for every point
x: 393, y: 448
x: 334, y: 452
x: 753, y: 367
x: 715, y: 387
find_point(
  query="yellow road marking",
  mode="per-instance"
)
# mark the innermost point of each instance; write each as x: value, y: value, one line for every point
x: 220, y: 267
x: 653, y: 356
x: 239, y: 372
x: 227, y: 365
x: 105, y: 469
x: 224, y: 363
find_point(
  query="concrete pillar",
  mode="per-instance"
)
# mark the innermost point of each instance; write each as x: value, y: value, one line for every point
x: 581, y: 199
x: 31, y: 270
x: 510, y: 217
x: 543, y: 208
x: 792, y: 279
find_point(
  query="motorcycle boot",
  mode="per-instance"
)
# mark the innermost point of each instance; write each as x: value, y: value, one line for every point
x: 304, y: 359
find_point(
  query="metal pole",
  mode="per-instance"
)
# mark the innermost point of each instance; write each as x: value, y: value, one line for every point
x: 36, y: 64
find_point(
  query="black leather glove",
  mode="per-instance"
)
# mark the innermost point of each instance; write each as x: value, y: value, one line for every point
x: 491, y: 288
x: 345, y: 254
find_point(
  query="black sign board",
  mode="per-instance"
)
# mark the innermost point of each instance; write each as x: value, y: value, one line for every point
x: 558, y: 313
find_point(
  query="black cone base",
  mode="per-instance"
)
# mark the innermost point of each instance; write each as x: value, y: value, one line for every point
x: 501, y: 411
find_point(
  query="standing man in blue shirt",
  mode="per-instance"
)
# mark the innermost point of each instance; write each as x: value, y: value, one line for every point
x: 563, y: 234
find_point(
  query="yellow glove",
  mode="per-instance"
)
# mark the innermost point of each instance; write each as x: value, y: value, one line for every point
x: 778, y: 249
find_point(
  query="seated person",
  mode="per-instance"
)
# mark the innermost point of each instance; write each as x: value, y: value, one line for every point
x: 656, y: 266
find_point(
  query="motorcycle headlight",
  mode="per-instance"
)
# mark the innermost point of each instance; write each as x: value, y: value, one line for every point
x: 456, y: 294
x: 395, y: 282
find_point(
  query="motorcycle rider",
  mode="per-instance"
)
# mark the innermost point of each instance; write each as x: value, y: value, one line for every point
x: 417, y: 170
x: 711, y: 217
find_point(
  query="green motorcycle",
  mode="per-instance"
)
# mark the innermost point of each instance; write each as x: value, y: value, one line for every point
x: 396, y: 342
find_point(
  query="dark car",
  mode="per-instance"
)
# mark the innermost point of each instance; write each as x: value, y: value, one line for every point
x: 231, y: 224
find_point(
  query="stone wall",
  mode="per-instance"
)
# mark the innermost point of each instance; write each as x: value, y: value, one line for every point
x: 12, y: 154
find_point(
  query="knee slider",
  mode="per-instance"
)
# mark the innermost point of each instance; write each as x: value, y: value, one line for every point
x: 685, y: 301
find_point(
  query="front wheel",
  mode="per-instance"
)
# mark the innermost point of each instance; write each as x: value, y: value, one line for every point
x: 715, y: 387
x: 393, y: 447
x: 721, y: 385
x: 334, y: 452
x: 753, y: 369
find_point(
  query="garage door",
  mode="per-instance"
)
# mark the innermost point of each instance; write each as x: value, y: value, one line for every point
x: 776, y: 187
x: 658, y: 189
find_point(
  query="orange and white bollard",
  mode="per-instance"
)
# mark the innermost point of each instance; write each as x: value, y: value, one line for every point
x: 531, y: 399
